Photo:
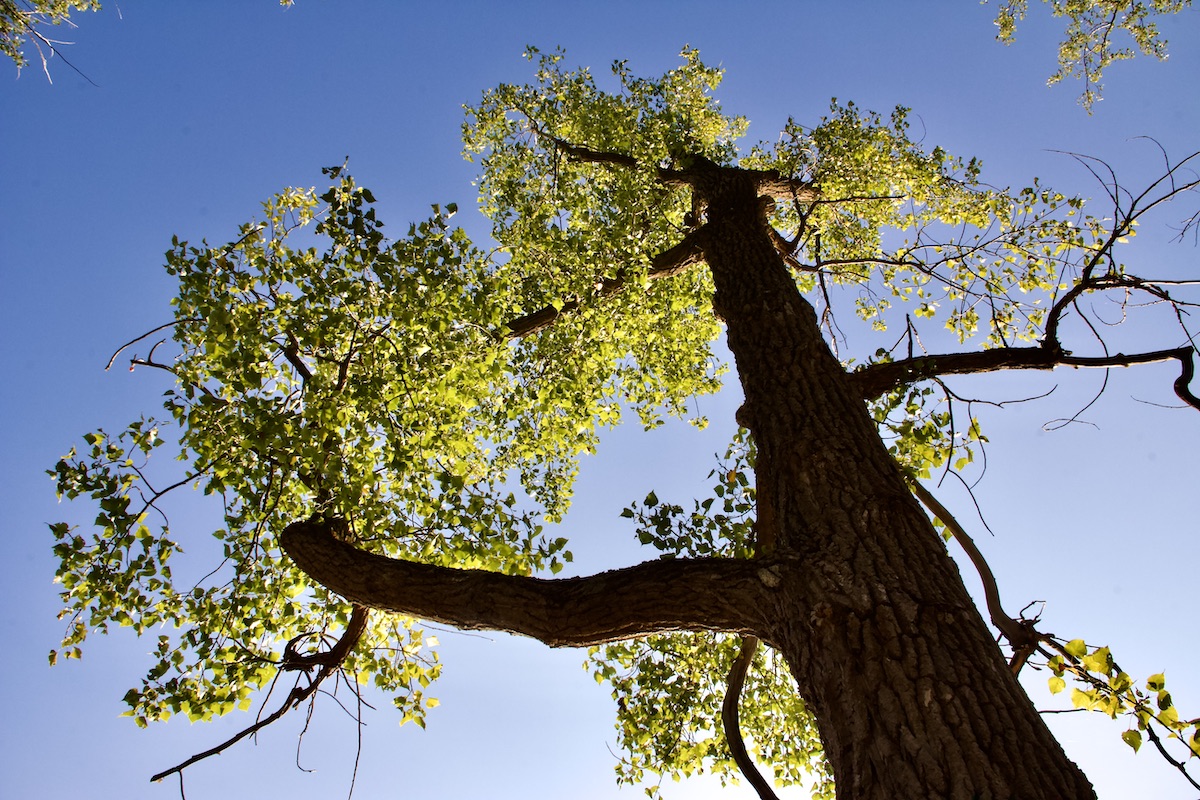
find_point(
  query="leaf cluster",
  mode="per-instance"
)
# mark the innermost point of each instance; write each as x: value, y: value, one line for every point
x: 669, y: 690
x: 1089, y: 44
x: 320, y: 368
x: 1110, y: 690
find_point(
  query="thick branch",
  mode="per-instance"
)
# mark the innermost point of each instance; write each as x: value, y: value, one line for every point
x: 877, y: 379
x: 653, y: 597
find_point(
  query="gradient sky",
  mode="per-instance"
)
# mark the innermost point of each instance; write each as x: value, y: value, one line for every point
x: 202, y: 110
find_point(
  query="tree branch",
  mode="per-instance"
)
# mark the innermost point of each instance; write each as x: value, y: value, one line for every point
x: 666, y: 264
x: 329, y: 662
x: 771, y: 183
x: 732, y: 724
x: 147, y: 334
x: 1176, y: 763
x: 877, y: 379
x: 729, y: 595
x: 1021, y: 634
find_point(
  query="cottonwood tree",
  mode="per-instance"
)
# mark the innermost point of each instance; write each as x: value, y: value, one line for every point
x: 392, y: 426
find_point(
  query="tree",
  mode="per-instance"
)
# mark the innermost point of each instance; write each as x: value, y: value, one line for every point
x: 392, y: 423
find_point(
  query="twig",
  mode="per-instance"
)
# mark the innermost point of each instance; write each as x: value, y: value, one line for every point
x: 1179, y: 765
x: 329, y: 661
x: 147, y: 334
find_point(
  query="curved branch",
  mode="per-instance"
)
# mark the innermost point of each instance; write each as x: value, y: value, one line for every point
x: 294, y: 660
x: 148, y: 334
x: 877, y: 379
x: 1019, y: 633
x: 733, y: 726
x: 1182, y: 384
x: 726, y: 595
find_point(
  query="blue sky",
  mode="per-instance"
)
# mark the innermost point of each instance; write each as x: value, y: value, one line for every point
x: 202, y: 110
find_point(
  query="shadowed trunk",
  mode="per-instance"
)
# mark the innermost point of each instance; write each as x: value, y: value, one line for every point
x: 911, y: 695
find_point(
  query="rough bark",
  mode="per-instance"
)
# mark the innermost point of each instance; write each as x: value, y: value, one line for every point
x: 654, y: 597
x: 855, y: 589
x: 910, y: 693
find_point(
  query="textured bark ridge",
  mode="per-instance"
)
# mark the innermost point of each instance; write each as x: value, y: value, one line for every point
x: 657, y: 596
x: 912, y: 696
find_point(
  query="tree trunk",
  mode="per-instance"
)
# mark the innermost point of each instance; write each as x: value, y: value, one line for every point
x: 912, y: 697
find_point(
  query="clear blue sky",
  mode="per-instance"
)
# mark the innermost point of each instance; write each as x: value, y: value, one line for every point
x: 202, y: 110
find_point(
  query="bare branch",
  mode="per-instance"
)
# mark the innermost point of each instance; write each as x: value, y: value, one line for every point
x: 148, y: 334
x: 1020, y: 634
x: 876, y: 379
x: 1124, y: 220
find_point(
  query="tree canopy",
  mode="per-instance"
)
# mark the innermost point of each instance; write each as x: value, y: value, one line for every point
x: 1089, y: 44
x: 426, y: 398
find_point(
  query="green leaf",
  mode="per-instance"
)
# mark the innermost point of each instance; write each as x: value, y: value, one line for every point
x: 1083, y: 699
x: 1132, y: 738
x: 1097, y: 661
